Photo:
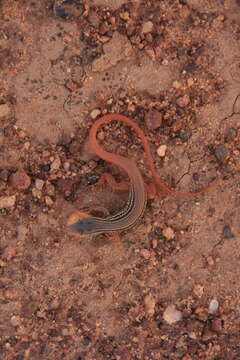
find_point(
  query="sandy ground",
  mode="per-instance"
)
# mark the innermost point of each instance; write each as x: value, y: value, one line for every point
x: 169, y: 287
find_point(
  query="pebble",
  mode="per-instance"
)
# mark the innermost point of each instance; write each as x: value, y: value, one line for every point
x: 154, y: 243
x: 4, y: 175
x: 55, y: 165
x: 198, y: 290
x: 7, y: 202
x: 66, y: 166
x: 95, y: 113
x: 125, y: 16
x: 50, y: 189
x: 168, y: 233
x: 39, y: 183
x: 210, y: 261
x: 171, y: 315
x: 4, y: 110
x: 36, y: 193
x: 165, y: 62
x: 177, y: 84
x: 216, y: 325
x: 183, y: 101
x: 145, y: 253
x: 20, y: 180
x: 16, y: 320
x: 190, y: 82
x: 230, y: 134
x: 147, y: 27
x: 151, y: 53
x: 153, y: 119
x: 48, y: 201
x: 101, y: 135
x: 161, y: 151
x: 8, y: 253
x: 227, y: 232
x: 150, y: 303
x: 184, y: 135
x: 213, y: 306
x: 46, y: 167
x: 221, y: 152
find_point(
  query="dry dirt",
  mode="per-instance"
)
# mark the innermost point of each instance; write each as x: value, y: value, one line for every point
x: 98, y: 298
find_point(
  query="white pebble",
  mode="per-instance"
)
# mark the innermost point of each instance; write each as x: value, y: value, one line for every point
x: 213, y: 306
x: 161, y: 151
x: 39, y: 184
x: 147, y: 27
x: 66, y: 166
x: 94, y: 113
x: 171, y: 315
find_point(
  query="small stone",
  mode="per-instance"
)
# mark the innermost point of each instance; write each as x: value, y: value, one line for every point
x: 66, y: 166
x: 48, y: 201
x: 171, y: 315
x: 145, y: 253
x: 20, y: 180
x: 168, y: 233
x: 151, y: 53
x: 198, y: 290
x: 50, y: 189
x: 101, y: 135
x: 230, y: 134
x: 184, y: 135
x: 4, y: 110
x: 8, y: 253
x: 104, y: 28
x: 177, y: 84
x: 207, y: 334
x: 7, y: 202
x: 22, y: 134
x: 210, y: 261
x: 4, y: 175
x: 221, y: 152
x: 36, y: 193
x: 190, y: 82
x: 161, y: 151
x: 46, y: 167
x: 55, y: 165
x: 26, y: 145
x: 201, y: 313
x: 125, y: 16
x: 213, y: 306
x: 216, y: 325
x: 183, y: 101
x: 165, y: 62
x: 150, y: 303
x: 95, y: 113
x: 39, y: 183
x: 153, y: 119
x: 16, y: 320
x: 154, y: 243
x: 147, y: 27
x: 227, y: 232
